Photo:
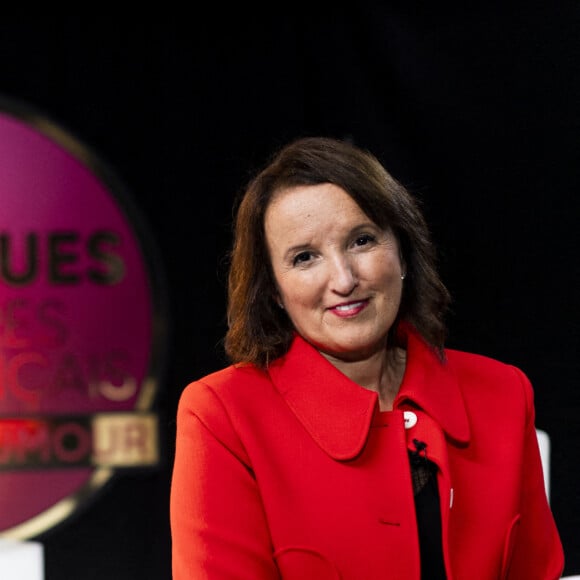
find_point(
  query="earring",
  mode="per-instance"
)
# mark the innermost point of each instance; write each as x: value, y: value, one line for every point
x: 280, y: 305
x: 402, y: 276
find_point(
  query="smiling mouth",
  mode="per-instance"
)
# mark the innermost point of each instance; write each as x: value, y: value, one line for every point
x: 350, y: 309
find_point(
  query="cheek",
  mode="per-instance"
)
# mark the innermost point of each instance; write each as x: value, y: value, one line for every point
x: 383, y: 270
x: 295, y: 296
x: 298, y: 289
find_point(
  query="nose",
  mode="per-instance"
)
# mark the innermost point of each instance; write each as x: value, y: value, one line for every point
x: 343, y: 278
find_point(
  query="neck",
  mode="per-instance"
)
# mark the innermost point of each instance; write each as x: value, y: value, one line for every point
x: 381, y: 372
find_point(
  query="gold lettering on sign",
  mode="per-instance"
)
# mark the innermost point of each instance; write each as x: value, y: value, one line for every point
x: 125, y: 439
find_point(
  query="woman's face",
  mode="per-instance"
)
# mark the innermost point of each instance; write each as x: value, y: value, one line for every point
x: 338, y: 274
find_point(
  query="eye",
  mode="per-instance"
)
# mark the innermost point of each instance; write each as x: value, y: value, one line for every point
x: 364, y: 239
x: 301, y: 258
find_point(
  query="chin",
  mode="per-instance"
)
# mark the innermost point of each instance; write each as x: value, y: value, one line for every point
x: 355, y: 352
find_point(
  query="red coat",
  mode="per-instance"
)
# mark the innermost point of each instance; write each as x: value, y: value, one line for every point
x: 295, y: 474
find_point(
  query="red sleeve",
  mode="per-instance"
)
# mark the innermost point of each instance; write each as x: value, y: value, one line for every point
x: 218, y: 526
x: 537, y: 552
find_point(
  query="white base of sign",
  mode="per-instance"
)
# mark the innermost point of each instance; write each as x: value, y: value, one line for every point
x: 21, y: 560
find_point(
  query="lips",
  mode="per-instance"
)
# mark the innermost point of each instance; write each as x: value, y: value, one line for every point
x: 348, y: 309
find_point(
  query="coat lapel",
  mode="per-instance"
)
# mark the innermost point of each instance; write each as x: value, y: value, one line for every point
x: 432, y: 386
x: 334, y: 410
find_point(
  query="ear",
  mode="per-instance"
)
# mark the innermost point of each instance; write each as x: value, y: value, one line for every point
x: 403, y: 264
x: 276, y: 297
x: 403, y: 269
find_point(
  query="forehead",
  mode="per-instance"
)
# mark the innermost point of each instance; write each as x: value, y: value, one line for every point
x: 312, y: 201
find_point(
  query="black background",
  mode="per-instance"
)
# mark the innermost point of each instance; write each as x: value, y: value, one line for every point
x: 476, y: 110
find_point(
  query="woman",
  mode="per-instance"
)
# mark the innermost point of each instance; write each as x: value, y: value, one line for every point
x: 345, y: 441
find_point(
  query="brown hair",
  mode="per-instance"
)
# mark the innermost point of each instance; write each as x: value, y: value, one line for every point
x: 258, y: 330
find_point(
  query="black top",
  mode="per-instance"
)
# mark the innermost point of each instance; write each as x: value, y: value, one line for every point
x: 428, y: 512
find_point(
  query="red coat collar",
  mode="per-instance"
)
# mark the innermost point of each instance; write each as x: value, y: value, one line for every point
x: 338, y: 413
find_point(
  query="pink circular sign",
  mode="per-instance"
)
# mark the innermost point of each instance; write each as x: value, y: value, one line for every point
x: 77, y: 337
